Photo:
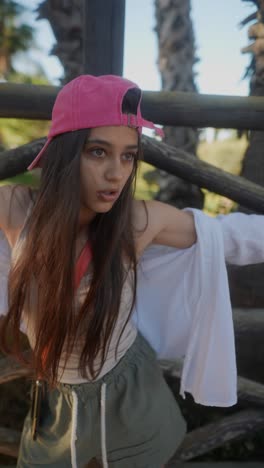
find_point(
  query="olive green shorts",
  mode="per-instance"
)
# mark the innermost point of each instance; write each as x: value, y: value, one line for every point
x: 128, y: 418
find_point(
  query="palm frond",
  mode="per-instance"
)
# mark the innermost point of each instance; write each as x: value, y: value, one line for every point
x: 249, y: 18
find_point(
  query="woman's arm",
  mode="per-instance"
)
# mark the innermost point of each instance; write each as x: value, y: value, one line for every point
x: 160, y: 223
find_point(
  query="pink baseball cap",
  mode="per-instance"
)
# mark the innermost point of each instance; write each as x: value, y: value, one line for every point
x: 92, y: 101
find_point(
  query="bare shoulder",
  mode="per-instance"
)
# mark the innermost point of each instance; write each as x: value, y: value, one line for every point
x: 140, y: 215
x: 160, y: 223
x: 14, y: 203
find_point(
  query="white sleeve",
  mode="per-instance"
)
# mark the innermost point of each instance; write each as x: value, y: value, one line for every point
x: 5, y: 257
x: 243, y: 237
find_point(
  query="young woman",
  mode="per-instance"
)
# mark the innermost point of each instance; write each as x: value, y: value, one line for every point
x: 82, y: 338
x: 76, y: 247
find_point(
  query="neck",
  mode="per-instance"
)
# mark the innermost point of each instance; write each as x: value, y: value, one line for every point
x: 85, y: 217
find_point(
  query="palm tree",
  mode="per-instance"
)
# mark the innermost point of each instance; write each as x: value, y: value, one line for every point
x: 65, y: 18
x: 175, y: 61
x: 253, y: 168
x: 246, y: 283
x: 14, y: 37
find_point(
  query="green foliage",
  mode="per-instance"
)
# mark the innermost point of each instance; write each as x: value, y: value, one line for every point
x: 22, y: 78
x: 11, y: 9
x: 225, y: 154
x: 15, y: 36
x: 16, y: 39
x: 145, y: 190
x: 16, y: 132
x: 27, y: 178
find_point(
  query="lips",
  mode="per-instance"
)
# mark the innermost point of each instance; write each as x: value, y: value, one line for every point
x: 108, y: 195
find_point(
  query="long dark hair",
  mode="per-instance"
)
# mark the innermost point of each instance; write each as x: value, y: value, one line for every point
x: 51, y: 233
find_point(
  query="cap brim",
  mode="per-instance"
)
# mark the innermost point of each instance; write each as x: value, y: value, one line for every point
x: 37, y: 161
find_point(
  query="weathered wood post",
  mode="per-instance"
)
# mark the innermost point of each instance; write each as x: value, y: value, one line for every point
x: 103, y: 36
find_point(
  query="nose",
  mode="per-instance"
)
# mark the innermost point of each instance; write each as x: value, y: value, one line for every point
x: 114, y: 170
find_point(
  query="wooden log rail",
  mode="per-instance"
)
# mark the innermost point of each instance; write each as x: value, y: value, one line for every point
x: 234, y: 427
x: 178, y: 162
x: 11, y: 370
x: 165, y: 157
x: 9, y: 442
x: 162, y: 107
x: 213, y: 435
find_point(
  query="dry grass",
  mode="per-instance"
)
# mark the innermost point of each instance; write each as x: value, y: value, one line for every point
x: 227, y: 155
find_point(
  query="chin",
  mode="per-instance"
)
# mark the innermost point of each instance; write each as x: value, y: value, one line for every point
x: 104, y: 210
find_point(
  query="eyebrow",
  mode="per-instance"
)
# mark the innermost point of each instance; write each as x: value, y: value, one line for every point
x: 99, y: 141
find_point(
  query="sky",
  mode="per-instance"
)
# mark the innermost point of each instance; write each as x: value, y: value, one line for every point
x: 218, y: 42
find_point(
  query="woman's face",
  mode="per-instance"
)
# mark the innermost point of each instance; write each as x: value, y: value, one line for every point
x: 107, y: 161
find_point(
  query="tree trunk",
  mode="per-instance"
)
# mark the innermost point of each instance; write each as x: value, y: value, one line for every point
x: 89, y: 33
x: 176, y: 60
x: 65, y: 18
x: 246, y: 283
x: 5, y: 63
x: 253, y: 165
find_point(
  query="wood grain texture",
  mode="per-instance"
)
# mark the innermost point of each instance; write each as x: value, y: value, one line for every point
x: 11, y: 370
x: 9, y: 442
x: 211, y: 436
x: 183, y: 109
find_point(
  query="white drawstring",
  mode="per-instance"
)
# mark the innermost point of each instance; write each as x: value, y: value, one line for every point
x: 74, y: 429
x: 103, y: 426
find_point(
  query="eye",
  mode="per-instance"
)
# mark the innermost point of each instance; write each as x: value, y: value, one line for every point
x: 97, y: 152
x: 129, y: 156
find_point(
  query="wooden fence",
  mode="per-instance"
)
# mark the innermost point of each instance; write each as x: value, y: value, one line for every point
x: 27, y: 101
